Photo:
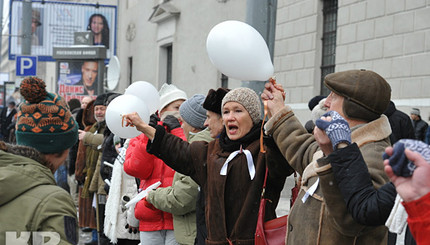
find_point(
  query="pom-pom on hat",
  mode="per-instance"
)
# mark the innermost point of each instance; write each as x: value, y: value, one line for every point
x: 169, y: 93
x: 248, y: 99
x: 192, y: 111
x: 213, y: 100
x: 44, y: 121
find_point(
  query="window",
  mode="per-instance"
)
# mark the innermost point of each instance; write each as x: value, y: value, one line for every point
x: 130, y: 70
x: 224, y: 81
x: 169, y: 64
x: 328, y: 41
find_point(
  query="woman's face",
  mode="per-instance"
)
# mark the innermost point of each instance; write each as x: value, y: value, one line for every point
x: 236, y: 119
x: 97, y: 24
x: 174, y: 106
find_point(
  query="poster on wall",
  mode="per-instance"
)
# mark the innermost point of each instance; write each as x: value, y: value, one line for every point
x: 77, y: 79
x: 54, y: 25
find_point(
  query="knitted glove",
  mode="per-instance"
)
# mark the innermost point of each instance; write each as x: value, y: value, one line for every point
x: 153, y: 120
x: 400, y: 164
x: 171, y: 122
x: 337, y: 129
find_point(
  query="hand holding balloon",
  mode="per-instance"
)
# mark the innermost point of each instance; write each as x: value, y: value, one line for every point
x: 121, y: 106
x: 133, y: 119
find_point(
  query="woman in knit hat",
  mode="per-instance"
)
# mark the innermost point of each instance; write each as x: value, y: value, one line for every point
x: 31, y: 201
x: 230, y: 169
x: 155, y: 225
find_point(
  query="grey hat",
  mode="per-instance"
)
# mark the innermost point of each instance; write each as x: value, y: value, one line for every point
x: 248, y: 99
x: 192, y: 111
x: 415, y: 111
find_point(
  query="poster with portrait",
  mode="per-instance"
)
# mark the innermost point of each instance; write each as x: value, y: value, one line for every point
x: 54, y: 25
x: 77, y: 79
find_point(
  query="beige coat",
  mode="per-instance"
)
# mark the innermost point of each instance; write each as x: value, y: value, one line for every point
x: 323, y: 218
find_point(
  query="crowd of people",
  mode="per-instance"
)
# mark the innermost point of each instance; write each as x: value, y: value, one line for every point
x: 195, y: 174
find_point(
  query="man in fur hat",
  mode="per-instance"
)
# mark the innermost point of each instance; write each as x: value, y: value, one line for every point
x: 320, y: 216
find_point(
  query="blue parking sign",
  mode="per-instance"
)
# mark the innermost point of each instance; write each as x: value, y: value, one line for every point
x: 26, y: 65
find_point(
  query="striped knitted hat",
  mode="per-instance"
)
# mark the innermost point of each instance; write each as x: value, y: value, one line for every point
x: 44, y: 121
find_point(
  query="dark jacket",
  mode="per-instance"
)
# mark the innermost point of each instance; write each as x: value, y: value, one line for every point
x: 5, y: 121
x: 232, y: 201
x: 401, y: 125
x: 420, y: 128
x: 367, y: 205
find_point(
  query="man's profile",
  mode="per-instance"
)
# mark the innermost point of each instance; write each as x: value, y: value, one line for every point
x: 89, y: 71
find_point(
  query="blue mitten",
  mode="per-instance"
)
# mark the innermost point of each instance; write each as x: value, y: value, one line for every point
x: 337, y: 129
x: 400, y: 164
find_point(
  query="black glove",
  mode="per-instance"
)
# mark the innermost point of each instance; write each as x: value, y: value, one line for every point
x: 131, y: 229
x: 171, y: 122
x: 153, y: 120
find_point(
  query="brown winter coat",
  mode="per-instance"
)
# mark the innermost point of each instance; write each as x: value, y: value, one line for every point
x: 232, y: 201
x: 323, y: 218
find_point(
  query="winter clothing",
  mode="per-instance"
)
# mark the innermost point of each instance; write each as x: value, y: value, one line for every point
x: 366, y: 205
x: 116, y: 216
x: 323, y: 217
x: 213, y: 100
x: 180, y: 199
x: 93, y: 140
x: 419, y: 218
x: 415, y: 111
x: 44, y: 121
x: 420, y: 128
x: 30, y: 200
x: 193, y: 112
x: 232, y: 200
x: 337, y: 129
x: 149, y: 170
x: 401, y: 125
x: 5, y: 121
x: 170, y: 93
x: 366, y: 93
x: 248, y: 99
x: 315, y: 101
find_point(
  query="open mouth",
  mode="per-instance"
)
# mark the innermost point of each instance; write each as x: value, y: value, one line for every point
x: 232, y: 129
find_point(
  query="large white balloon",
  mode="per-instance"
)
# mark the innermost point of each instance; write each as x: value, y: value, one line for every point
x: 239, y: 51
x: 146, y: 92
x: 120, y: 106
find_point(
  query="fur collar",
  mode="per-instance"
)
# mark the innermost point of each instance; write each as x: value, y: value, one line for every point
x: 375, y: 130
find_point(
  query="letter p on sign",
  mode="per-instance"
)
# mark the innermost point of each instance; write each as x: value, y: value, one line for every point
x: 26, y: 65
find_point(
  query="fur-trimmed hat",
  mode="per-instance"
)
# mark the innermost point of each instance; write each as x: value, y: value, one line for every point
x: 44, y: 120
x: 366, y: 93
x: 169, y: 93
x: 192, y: 111
x: 213, y: 100
x: 248, y: 99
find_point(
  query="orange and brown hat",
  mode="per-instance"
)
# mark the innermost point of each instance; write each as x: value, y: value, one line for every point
x: 44, y: 121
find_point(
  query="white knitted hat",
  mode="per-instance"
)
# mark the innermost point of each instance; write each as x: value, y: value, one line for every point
x: 169, y: 93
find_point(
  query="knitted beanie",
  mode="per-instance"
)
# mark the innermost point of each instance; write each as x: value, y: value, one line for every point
x: 366, y: 93
x: 44, y: 120
x: 415, y: 111
x: 248, y: 99
x: 213, y: 100
x: 169, y: 93
x: 192, y: 111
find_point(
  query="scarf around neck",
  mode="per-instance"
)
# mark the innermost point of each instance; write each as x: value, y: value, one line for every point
x: 232, y: 145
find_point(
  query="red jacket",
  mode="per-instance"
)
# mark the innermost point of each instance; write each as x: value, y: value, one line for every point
x: 419, y: 218
x: 149, y: 169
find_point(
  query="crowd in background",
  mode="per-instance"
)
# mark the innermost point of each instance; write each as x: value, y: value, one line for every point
x: 202, y: 160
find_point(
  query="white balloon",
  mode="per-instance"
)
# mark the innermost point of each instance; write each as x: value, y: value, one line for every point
x: 120, y: 106
x: 239, y: 51
x: 146, y: 92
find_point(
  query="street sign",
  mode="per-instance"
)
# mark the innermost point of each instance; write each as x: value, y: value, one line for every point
x: 26, y: 65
